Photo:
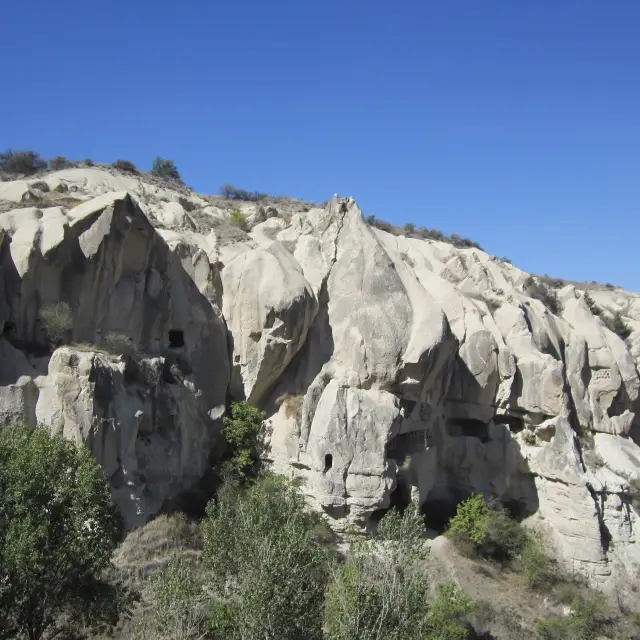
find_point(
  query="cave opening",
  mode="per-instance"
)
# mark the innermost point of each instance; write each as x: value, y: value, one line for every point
x: 176, y: 338
x: 515, y: 424
x: 328, y: 462
x: 399, y: 499
x: 9, y: 329
x: 469, y: 428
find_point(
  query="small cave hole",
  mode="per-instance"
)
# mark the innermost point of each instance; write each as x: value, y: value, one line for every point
x: 9, y: 329
x: 328, y: 462
x: 176, y: 338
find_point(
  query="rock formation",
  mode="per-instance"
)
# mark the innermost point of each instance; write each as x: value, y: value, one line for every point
x: 392, y: 369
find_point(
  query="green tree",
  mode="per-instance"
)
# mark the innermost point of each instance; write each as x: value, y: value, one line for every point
x: 58, y: 529
x: 382, y: 592
x: 241, y: 432
x: 164, y: 168
x: 590, y: 302
x: 266, y: 562
x: 21, y: 162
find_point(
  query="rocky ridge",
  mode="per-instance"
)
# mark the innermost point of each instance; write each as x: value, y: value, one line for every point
x: 391, y: 368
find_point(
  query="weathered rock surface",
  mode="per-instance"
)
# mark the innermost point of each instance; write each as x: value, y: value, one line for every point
x: 391, y: 368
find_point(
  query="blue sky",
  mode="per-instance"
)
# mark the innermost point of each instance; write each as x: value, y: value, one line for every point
x: 516, y: 124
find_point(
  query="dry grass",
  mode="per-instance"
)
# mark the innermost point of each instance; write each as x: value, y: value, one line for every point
x: 147, y: 550
x: 292, y: 405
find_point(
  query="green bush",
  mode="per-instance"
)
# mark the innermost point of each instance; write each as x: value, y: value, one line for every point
x: 480, y: 530
x: 57, y: 319
x: 241, y: 432
x: 59, y: 162
x: 588, y: 620
x: 58, y: 530
x: 233, y: 193
x: 409, y: 228
x: 468, y: 528
x: 593, y: 307
x: 120, y: 344
x: 21, y: 162
x: 238, y: 219
x: 164, y: 168
x: 618, y: 325
x: 267, y: 566
x: 371, y: 220
x: 535, y: 565
x: 382, y: 591
x: 542, y: 292
x: 125, y: 165
x: 178, y: 602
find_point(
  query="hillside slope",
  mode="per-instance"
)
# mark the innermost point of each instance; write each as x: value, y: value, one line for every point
x: 391, y: 368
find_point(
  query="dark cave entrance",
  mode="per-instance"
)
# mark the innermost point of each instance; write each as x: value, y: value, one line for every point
x: 328, y: 462
x: 399, y: 499
x: 176, y: 338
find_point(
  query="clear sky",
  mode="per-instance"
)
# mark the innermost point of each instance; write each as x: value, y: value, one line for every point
x: 513, y: 122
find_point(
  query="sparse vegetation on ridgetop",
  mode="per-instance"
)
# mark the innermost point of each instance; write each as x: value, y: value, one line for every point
x: 125, y: 165
x: 422, y: 233
x: 21, y: 162
x: 234, y: 193
x: 163, y: 168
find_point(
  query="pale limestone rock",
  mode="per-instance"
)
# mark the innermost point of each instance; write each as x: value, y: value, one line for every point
x: 424, y: 371
x: 269, y: 307
x: 150, y: 436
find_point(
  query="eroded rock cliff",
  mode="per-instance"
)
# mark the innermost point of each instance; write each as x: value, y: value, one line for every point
x: 391, y: 368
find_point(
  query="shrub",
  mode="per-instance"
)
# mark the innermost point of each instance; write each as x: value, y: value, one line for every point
x: 540, y: 291
x: 535, y: 565
x: 58, y: 529
x: 480, y: 530
x: 59, y: 162
x: 587, y: 620
x: 589, y: 301
x: 241, y: 432
x: 267, y: 567
x: 468, y: 527
x: 505, y: 259
x: 618, y: 325
x: 371, y: 220
x: 57, y: 319
x: 164, y: 168
x: 178, y: 603
x: 238, y: 219
x: 120, y: 344
x: 233, y: 193
x: 87, y: 162
x: 530, y: 438
x: 125, y: 165
x: 409, y: 228
x: 381, y: 591
x: 21, y: 162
